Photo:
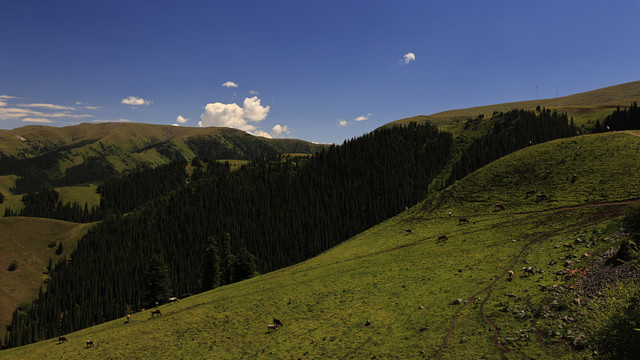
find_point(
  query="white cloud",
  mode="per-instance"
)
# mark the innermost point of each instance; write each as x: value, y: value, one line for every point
x: 92, y: 107
x: 37, y: 120
x: 253, y: 92
x: 279, y: 130
x: 135, y: 101
x: 181, y: 119
x: 230, y: 84
x: 108, y: 121
x: 47, y: 106
x: 234, y: 116
x: 363, y: 117
x: 175, y: 125
x: 227, y: 115
x: 6, y: 97
x: 409, y: 57
x: 3, y: 104
x: 253, y: 110
x: 342, y: 123
x: 261, y: 133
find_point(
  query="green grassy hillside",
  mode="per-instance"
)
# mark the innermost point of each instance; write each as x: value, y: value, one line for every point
x: 89, y: 153
x: 406, y: 283
x: 585, y: 108
x: 26, y: 240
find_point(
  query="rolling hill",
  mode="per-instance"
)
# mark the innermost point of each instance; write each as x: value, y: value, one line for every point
x: 89, y: 153
x: 393, y: 293
x: 26, y: 240
x: 585, y: 108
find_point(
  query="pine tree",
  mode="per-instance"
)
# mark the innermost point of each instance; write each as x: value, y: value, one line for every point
x: 245, y: 265
x: 157, y: 287
x: 59, y: 249
x: 211, y: 272
x: 227, y: 260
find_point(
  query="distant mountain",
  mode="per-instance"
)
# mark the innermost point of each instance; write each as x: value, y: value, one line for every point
x: 584, y: 107
x: 86, y: 153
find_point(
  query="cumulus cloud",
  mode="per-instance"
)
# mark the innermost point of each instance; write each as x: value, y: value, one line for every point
x: 279, y: 130
x: 261, y: 133
x: 342, y: 123
x: 363, y: 117
x: 181, y: 119
x: 37, y: 120
x: 253, y: 110
x: 230, y: 84
x: 135, y: 101
x: 409, y: 57
x: 234, y: 116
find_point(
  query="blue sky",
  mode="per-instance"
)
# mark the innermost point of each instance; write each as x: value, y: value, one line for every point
x: 322, y: 71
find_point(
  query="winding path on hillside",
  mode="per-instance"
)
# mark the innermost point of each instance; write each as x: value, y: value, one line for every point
x: 487, y: 290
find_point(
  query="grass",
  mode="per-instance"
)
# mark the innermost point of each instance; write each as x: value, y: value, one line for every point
x: 81, y: 194
x: 404, y: 284
x: 26, y: 241
x: 585, y: 108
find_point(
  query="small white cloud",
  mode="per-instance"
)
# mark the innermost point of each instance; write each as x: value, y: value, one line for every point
x: 6, y: 97
x: 175, y: 125
x: 181, y: 119
x: 279, y: 130
x: 253, y: 92
x: 409, y: 57
x: 107, y: 121
x: 230, y: 84
x: 92, y: 107
x: 260, y: 133
x: 342, y: 123
x: 46, y: 106
x: 363, y: 117
x: 37, y: 120
x: 135, y: 101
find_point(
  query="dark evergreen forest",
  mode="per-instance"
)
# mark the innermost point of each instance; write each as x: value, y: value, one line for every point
x: 620, y: 119
x: 224, y: 226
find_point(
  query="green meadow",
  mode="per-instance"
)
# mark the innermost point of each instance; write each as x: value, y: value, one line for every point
x: 393, y: 293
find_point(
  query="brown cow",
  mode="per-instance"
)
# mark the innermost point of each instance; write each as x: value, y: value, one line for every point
x: 408, y: 231
x: 89, y: 343
x: 156, y: 312
x: 463, y: 220
x: 511, y: 275
x: 62, y: 339
x: 443, y: 237
x: 272, y: 327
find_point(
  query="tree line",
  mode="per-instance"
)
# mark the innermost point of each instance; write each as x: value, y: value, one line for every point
x: 46, y: 203
x: 620, y: 119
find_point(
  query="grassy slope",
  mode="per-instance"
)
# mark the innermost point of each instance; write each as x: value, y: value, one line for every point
x: 584, y: 107
x: 26, y: 240
x: 385, y: 275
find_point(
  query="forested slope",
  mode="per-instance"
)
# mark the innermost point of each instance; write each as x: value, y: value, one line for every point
x: 282, y: 210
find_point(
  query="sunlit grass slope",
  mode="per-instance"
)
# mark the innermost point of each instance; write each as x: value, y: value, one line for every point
x: 584, y: 107
x: 403, y: 282
x: 26, y: 240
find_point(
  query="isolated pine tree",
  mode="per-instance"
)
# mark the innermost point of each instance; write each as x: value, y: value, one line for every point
x: 157, y: 287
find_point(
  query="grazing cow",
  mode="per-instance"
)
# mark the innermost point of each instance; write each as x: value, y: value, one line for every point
x: 408, y: 231
x: 272, y: 327
x: 277, y: 322
x: 528, y: 270
x: 173, y: 299
x: 62, y: 339
x: 442, y: 237
x: 499, y: 207
x: 568, y: 245
x: 463, y: 220
x: 128, y: 317
x: 156, y: 312
x: 511, y: 275
x: 89, y: 343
